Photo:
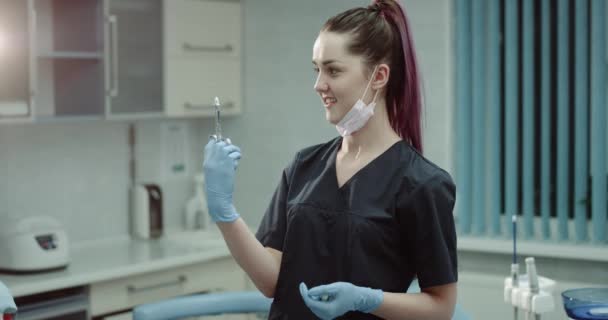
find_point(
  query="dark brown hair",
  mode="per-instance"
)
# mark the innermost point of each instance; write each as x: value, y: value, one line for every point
x: 381, y: 34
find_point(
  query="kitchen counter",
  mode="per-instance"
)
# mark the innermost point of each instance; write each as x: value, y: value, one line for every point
x: 122, y: 257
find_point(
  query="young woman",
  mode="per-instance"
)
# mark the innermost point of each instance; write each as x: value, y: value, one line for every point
x: 357, y: 218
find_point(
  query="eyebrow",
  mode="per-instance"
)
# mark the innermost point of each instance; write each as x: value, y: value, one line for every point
x: 326, y: 62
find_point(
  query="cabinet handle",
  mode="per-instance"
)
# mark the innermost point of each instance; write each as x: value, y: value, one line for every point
x: 180, y: 280
x: 191, y: 106
x: 33, y: 63
x: 113, y: 20
x: 191, y: 47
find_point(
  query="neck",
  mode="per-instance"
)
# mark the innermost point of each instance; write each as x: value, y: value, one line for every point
x: 376, y: 136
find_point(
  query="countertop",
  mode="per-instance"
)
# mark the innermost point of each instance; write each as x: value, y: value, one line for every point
x: 122, y: 257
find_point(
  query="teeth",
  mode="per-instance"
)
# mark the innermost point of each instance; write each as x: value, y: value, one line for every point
x: 330, y: 100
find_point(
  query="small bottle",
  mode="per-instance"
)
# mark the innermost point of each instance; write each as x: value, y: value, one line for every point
x: 196, y: 216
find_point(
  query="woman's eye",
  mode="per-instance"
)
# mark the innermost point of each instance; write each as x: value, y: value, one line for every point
x: 316, y: 70
x: 333, y: 71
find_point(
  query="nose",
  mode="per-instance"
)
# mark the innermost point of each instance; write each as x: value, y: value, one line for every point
x: 320, y: 84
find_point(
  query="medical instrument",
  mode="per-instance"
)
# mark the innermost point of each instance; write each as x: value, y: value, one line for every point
x: 531, y: 293
x: 514, y: 264
x: 586, y: 303
x: 218, y: 123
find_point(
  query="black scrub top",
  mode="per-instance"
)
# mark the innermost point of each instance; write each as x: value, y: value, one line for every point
x: 390, y: 222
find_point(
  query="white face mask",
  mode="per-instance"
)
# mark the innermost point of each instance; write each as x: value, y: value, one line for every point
x: 358, y: 115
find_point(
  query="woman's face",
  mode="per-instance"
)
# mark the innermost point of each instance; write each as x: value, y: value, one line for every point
x: 341, y: 76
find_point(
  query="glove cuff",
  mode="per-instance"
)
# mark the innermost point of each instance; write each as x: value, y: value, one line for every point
x: 227, y: 216
x: 371, y: 300
x: 220, y: 207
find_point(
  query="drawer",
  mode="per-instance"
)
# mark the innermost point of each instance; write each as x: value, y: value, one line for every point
x: 125, y: 293
x: 192, y: 84
x: 202, y: 28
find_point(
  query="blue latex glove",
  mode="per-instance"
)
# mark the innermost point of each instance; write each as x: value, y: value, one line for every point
x: 219, y: 167
x: 333, y: 300
x: 7, y: 304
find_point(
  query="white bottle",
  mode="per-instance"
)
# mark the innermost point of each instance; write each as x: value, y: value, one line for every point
x: 196, y: 216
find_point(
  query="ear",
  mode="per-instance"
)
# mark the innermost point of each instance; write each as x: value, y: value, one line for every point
x: 381, y: 77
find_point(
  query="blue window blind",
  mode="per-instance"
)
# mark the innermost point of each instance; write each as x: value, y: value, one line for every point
x: 531, y: 118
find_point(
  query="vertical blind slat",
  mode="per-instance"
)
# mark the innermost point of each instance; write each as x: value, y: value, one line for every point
x: 493, y: 129
x: 581, y: 168
x: 545, y: 162
x: 528, y: 118
x: 463, y: 46
x: 598, y: 120
x: 562, y: 119
x: 478, y: 115
x: 511, y: 110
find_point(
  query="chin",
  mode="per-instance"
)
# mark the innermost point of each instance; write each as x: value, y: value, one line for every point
x: 331, y: 119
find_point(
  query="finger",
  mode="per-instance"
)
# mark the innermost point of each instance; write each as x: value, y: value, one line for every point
x: 210, y: 144
x: 328, y: 289
x: 303, y: 289
x: 231, y: 148
x: 235, y: 155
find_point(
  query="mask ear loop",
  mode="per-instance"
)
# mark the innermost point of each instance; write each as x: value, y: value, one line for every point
x: 369, y: 84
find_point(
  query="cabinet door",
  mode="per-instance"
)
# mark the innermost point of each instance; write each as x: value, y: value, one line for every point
x: 202, y: 29
x: 15, y: 59
x: 133, y: 52
x: 68, y: 64
x: 192, y: 85
x: 202, y: 57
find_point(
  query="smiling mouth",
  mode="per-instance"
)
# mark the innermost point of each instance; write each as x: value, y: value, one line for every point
x: 328, y: 102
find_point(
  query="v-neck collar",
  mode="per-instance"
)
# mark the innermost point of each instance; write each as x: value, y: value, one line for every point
x: 334, y: 160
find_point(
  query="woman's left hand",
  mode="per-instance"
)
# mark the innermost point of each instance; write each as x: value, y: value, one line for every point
x: 333, y: 300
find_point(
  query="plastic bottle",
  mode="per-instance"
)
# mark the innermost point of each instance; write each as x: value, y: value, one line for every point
x: 196, y: 216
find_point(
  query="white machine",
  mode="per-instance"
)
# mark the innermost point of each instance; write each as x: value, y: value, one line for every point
x: 530, y: 293
x: 33, y: 244
x: 533, y: 294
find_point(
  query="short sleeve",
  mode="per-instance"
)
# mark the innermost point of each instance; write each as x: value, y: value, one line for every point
x: 271, y: 232
x: 428, y: 218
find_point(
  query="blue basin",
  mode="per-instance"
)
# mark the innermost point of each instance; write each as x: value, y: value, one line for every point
x: 586, y: 303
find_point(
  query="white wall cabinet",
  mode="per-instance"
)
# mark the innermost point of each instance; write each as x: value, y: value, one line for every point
x: 133, y: 51
x: 15, y: 65
x: 202, y: 51
x: 67, y: 59
x: 117, y: 59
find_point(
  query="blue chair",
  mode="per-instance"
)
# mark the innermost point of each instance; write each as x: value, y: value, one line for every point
x: 7, y: 304
x: 224, y: 303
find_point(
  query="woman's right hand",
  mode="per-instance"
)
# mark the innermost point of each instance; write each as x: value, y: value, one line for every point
x: 219, y: 168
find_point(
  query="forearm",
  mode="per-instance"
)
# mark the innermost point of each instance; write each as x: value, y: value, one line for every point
x: 259, y: 264
x: 406, y: 306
